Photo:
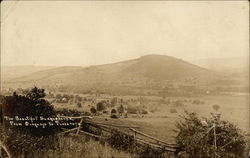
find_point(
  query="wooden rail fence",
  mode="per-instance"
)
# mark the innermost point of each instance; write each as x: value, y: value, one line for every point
x: 138, y: 136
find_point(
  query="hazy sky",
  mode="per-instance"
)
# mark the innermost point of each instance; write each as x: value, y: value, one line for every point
x: 88, y: 33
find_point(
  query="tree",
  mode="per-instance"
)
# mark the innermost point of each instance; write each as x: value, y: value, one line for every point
x: 209, y: 138
x: 113, y: 101
x: 32, y: 104
x: 79, y: 105
x: 100, y: 106
x: 121, y: 109
x: 113, y: 111
x: 92, y: 110
x: 36, y: 93
x: 23, y: 139
x: 216, y: 107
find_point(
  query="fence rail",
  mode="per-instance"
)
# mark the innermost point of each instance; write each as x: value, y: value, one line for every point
x: 138, y: 136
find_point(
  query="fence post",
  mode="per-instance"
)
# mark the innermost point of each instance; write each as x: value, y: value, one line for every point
x: 215, y: 143
x: 80, y: 124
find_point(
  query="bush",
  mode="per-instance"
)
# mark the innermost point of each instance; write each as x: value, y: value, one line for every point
x: 79, y: 105
x: 121, y: 141
x: 196, y: 137
x: 196, y: 101
x: 173, y: 111
x: 32, y: 104
x: 71, y: 112
x: 113, y: 102
x: 113, y: 111
x: 178, y: 103
x: 92, y: 110
x: 100, y: 106
x: 143, y: 111
x: 132, y: 110
x: 121, y: 109
x: 216, y: 107
x: 23, y: 139
x: 114, y: 116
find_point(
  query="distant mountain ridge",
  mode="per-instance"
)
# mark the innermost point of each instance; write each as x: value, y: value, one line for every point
x: 130, y: 73
x: 10, y: 72
x: 165, y: 67
x: 224, y: 64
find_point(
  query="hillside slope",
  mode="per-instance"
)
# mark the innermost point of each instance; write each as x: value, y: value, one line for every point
x: 165, y: 68
x: 130, y: 73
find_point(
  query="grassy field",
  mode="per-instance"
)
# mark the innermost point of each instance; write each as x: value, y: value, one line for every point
x: 161, y: 122
x: 77, y: 147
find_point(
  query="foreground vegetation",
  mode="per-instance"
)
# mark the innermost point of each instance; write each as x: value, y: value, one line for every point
x: 209, y: 138
x: 33, y: 142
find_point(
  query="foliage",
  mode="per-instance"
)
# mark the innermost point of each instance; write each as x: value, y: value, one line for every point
x: 113, y: 111
x: 66, y: 147
x: 149, y: 152
x: 36, y: 94
x: 19, y: 143
x: 197, y: 139
x: 23, y: 139
x: 93, y: 110
x: 143, y: 111
x: 132, y: 110
x: 100, y: 106
x: 216, y: 107
x: 197, y: 102
x: 126, y: 142
x: 121, y: 109
x: 79, y: 105
x: 32, y: 104
x: 173, y: 111
x: 113, y: 101
x: 71, y: 112
x: 178, y: 103
x: 114, y: 116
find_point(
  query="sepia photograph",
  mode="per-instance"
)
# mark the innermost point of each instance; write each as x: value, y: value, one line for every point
x: 124, y: 79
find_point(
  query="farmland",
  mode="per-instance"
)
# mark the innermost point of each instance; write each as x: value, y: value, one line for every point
x: 162, y: 113
x: 134, y: 93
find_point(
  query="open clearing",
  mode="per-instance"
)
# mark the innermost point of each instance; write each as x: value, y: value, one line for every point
x: 161, y: 123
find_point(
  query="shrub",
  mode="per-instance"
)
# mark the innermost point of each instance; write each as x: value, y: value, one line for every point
x: 173, y: 111
x: 197, y: 139
x: 32, y: 104
x: 114, y: 116
x: 105, y: 112
x: 121, y: 141
x: 216, y: 107
x: 148, y: 152
x: 71, y: 112
x: 113, y: 111
x: 79, y: 105
x: 143, y: 111
x: 23, y: 139
x: 132, y: 110
x: 121, y: 109
x: 100, y: 106
x: 92, y: 110
x: 196, y: 101
x: 113, y: 102
x: 178, y: 103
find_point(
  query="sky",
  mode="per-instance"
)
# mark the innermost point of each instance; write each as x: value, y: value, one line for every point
x: 82, y: 33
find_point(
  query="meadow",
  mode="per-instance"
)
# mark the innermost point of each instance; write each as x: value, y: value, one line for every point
x: 163, y: 113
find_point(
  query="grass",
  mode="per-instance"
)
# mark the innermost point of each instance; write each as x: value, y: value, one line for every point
x: 78, y: 147
x: 161, y: 123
